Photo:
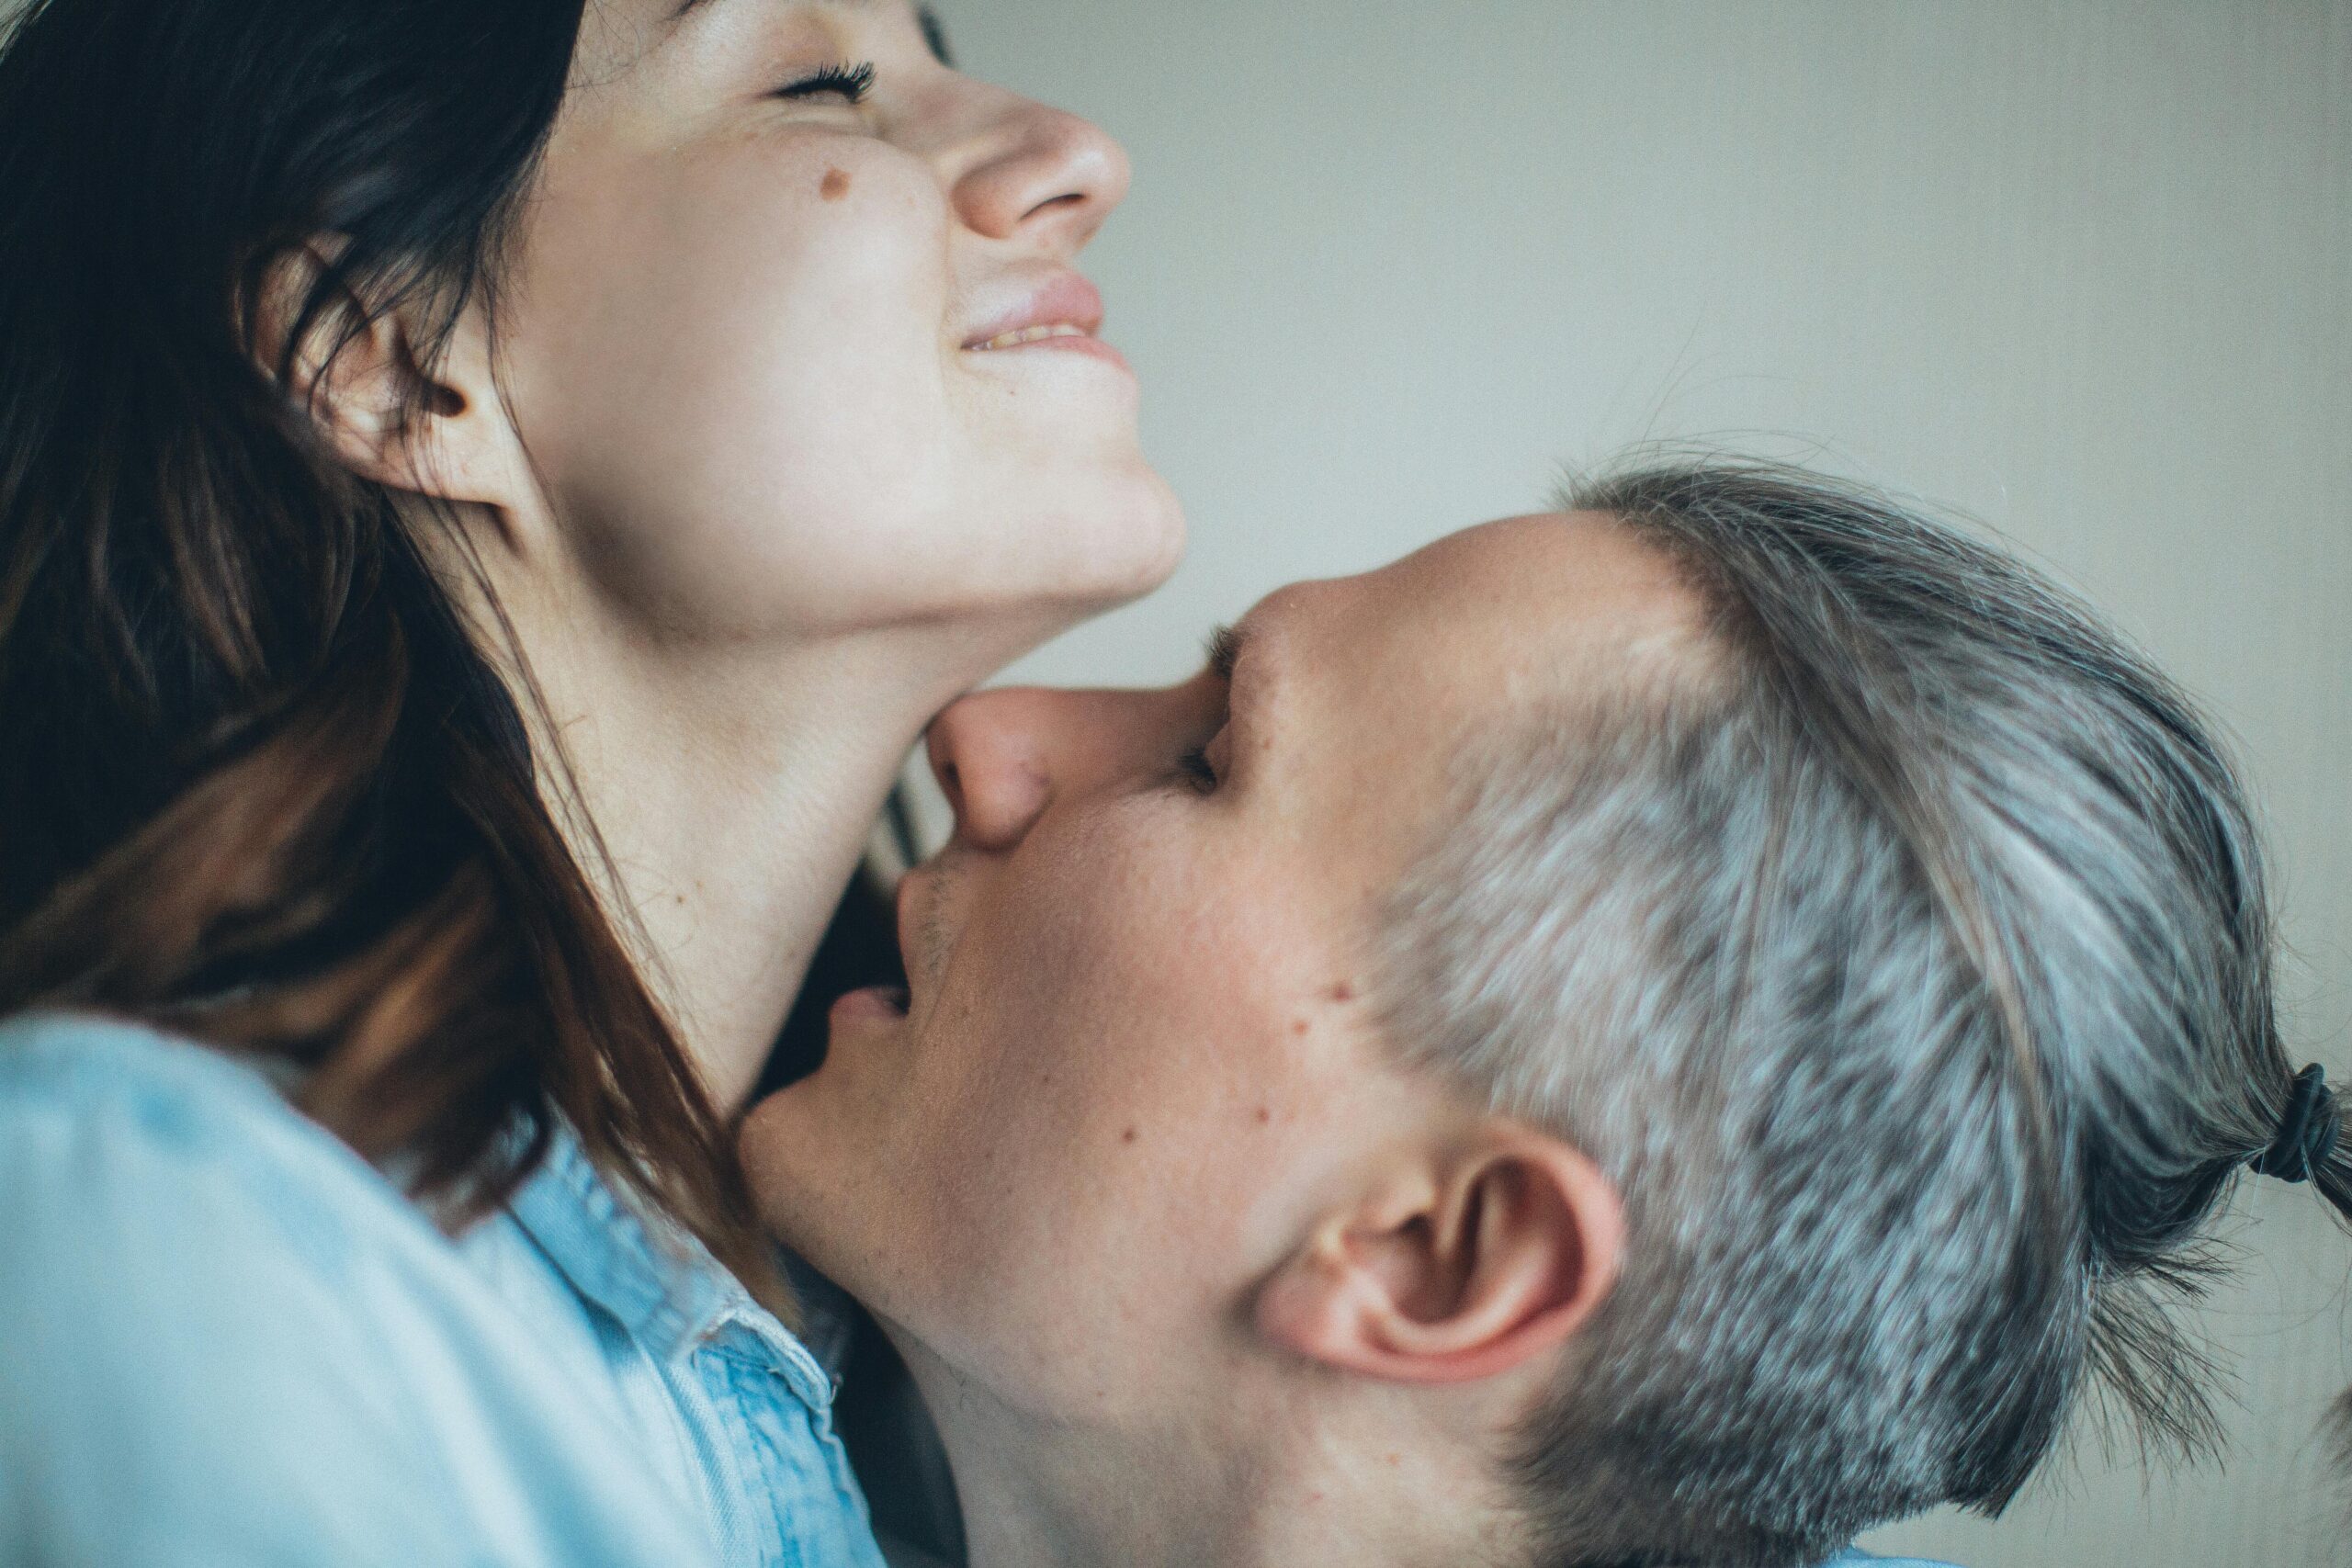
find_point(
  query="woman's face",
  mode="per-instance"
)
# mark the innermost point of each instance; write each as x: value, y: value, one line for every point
x: 793, y: 340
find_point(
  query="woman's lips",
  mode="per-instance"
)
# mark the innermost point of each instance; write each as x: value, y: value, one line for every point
x: 1061, y: 314
x: 1061, y: 342
x: 1021, y: 335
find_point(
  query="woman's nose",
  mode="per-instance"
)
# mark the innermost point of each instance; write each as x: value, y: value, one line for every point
x: 987, y: 753
x: 1042, y: 175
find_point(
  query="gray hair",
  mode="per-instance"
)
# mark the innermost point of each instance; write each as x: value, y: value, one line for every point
x: 1907, y: 966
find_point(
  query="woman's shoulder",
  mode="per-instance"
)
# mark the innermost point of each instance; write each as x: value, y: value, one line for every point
x: 107, y: 1083
x: 224, y: 1336
x: 105, y: 1121
x: 146, y: 1180
x: 162, y: 1087
x: 127, y: 1079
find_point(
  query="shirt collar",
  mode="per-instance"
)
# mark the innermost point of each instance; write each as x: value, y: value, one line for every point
x: 652, y: 1276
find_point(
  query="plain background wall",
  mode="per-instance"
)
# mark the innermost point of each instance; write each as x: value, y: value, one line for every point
x: 2083, y: 272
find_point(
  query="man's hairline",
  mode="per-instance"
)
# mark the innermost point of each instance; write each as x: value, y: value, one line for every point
x: 1684, y: 670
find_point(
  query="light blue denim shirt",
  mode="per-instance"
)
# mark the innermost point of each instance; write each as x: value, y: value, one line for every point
x: 225, y: 1339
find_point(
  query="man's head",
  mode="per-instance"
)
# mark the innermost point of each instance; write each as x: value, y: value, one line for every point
x: 1702, y: 1008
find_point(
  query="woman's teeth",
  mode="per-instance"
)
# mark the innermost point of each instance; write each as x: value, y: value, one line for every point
x: 1030, y: 334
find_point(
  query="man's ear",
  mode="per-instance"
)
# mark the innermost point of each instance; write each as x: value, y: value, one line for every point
x: 1460, y: 1268
x: 357, y: 376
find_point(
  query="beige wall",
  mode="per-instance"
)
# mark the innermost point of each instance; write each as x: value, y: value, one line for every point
x: 2083, y: 271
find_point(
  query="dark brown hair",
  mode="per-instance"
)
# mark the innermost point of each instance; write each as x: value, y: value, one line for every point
x: 258, y: 784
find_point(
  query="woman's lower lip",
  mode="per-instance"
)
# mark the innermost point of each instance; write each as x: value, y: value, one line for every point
x: 1093, y: 346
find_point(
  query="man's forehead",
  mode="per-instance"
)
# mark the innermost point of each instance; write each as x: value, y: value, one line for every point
x: 1492, y: 607
x: 1565, y: 562
x: 1365, y: 693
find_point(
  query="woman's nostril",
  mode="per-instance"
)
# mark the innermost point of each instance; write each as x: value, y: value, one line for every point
x: 1055, y: 205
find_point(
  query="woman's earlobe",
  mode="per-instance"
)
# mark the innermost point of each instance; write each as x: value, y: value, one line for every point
x: 1507, y: 1254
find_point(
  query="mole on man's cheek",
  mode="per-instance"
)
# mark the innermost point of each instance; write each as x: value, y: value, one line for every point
x: 836, y: 185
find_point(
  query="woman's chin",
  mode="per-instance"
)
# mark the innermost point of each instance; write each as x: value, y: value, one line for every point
x: 1098, y: 543
x: 1130, y: 543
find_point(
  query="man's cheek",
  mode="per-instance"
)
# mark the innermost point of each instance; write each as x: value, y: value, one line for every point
x: 1068, y: 977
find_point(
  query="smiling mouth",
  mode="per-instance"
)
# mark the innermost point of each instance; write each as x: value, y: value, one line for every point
x: 1015, y: 338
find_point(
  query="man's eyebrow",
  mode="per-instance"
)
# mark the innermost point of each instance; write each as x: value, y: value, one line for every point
x: 1223, y: 652
x: 1249, y: 660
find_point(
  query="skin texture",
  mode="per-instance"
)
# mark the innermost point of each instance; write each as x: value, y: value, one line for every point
x: 1189, y: 1268
x: 752, y: 501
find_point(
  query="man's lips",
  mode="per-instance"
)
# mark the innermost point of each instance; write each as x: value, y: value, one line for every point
x: 913, y: 950
x: 888, y: 1004
x: 902, y: 907
x: 1061, y: 306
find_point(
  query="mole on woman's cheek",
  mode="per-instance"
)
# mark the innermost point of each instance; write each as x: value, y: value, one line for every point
x: 836, y: 185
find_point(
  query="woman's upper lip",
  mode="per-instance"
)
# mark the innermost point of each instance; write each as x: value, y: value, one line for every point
x: 1061, y: 299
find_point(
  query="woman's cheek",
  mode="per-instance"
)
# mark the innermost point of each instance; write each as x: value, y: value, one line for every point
x: 795, y: 311
x: 747, y: 421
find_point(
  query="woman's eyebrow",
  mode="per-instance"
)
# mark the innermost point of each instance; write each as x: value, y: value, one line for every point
x: 686, y: 8
x: 934, y: 31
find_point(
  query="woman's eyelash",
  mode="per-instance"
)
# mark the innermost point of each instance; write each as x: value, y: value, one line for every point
x: 1195, y: 768
x: 852, y: 82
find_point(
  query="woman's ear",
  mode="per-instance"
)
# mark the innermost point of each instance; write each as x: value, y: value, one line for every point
x: 1463, y: 1268
x: 359, y: 376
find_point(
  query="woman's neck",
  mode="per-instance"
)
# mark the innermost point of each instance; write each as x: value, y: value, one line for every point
x: 720, y: 800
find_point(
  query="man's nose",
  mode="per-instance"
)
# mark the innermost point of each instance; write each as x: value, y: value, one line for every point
x: 1040, y: 174
x: 988, y: 752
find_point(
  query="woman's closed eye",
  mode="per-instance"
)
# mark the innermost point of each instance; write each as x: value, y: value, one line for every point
x: 849, y: 83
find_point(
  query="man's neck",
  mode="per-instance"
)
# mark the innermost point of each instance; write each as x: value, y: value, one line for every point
x: 1083, y: 1501
x: 1272, y: 1487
